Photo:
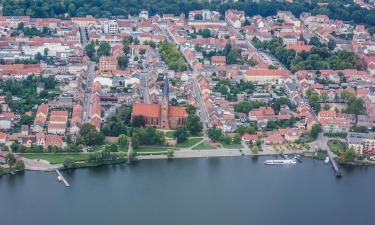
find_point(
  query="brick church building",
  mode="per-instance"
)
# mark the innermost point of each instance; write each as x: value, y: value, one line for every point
x: 162, y: 115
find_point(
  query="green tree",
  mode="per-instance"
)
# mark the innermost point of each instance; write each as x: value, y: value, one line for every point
x: 112, y: 147
x: 104, y: 49
x: 331, y: 44
x: 133, y: 156
x: 138, y: 121
x: 68, y: 162
x: 315, y: 130
x: 215, y: 133
x: 237, y: 139
x: 88, y: 135
x: 10, y: 160
x: 190, y: 109
x: 90, y: 50
x: 20, y: 165
x: 123, y: 62
x: 122, y: 140
x: 181, y: 134
x: 170, y: 153
x: 26, y: 120
x: 255, y: 149
x: 194, y: 125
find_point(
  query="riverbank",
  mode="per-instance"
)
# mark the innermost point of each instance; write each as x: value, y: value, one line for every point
x: 44, y: 165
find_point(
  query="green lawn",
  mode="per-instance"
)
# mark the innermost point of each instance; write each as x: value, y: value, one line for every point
x: 120, y: 148
x: 202, y: 146
x: 336, y: 146
x: 200, y: 134
x: 58, y: 158
x: 230, y: 146
x: 188, y: 143
x: 152, y: 149
x: 169, y: 134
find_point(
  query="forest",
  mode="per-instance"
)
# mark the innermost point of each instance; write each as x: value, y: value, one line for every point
x: 336, y: 9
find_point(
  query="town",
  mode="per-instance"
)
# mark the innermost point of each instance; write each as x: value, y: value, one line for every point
x: 87, y: 91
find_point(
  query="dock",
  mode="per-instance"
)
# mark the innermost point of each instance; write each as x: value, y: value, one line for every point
x: 62, y: 178
x: 333, y: 162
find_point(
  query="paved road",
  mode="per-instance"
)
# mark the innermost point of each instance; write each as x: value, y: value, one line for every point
x: 88, y: 92
x: 83, y: 33
x: 144, y: 87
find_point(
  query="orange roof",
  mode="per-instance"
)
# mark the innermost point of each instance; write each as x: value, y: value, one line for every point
x: 56, y: 125
x: 146, y: 110
x: 267, y: 72
x: 57, y: 118
x: 43, y: 108
x: 175, y: 111
x: 59, y: 113
x: 3, y: 135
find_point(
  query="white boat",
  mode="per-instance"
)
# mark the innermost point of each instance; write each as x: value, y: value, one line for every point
x: 326, y: 161
x: 280, y: 162
x: 59, y: 178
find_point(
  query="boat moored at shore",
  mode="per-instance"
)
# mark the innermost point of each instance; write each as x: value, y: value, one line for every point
x: 280, y: 162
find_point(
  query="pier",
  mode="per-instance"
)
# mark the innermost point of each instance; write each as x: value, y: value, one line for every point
x: 63, y: 178
x: 334, y: 164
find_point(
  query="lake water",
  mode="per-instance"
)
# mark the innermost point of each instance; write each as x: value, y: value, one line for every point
x: 206, y: 191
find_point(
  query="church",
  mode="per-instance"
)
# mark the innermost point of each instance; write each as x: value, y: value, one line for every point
x: 161, y: 116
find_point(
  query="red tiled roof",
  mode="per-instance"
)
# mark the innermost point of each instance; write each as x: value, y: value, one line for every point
x: 146, y: 110
x: 174, y: 111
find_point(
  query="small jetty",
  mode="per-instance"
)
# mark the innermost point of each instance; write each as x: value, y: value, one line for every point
x: 335, y: 167
x: 60, y: 177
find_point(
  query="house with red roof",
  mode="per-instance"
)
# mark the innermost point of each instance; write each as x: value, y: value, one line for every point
x: 262, y: 114
x: 274, y: 139
x: 249, y: 138
x: 266, y: 75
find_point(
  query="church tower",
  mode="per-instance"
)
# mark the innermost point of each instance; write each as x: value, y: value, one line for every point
x: 164, y: 105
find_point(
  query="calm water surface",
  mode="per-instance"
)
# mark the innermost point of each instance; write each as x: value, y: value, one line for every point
x: 207, y: 191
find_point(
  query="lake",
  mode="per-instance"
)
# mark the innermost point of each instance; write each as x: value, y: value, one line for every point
x: 207, y: 191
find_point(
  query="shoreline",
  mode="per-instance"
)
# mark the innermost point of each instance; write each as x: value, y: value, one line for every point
x: 180, y: 154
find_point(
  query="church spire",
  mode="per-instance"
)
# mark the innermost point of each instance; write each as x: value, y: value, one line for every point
x: 166, y: 86
x: 164, y: 104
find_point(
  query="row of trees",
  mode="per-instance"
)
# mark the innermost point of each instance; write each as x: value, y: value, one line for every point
x: 95, y: 50
x: 147, y: 136
x: 107, y: 8
x: 345, y: 10
x: 32, y: 31
x: 320, y: 57
x: 172, y: 56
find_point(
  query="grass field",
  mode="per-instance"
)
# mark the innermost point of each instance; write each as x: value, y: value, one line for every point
x: 336, y: 146
x: 231, y: 146
x: 202, y: 146
x: 120, y: 148
x: 169, y: 134
x: 57, y: 158
x: 189, y: 142
x: 152, y: 149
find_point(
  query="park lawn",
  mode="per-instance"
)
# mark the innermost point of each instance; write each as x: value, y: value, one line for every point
x: 169, y: 134
x: 152, y: 149
x: 57, y: 158
x: 189, y: 142
x: 200, y: 134
x: 336, y: 146
x: 120, y: 148
x: 231, y: 146
x: 203, y: 146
